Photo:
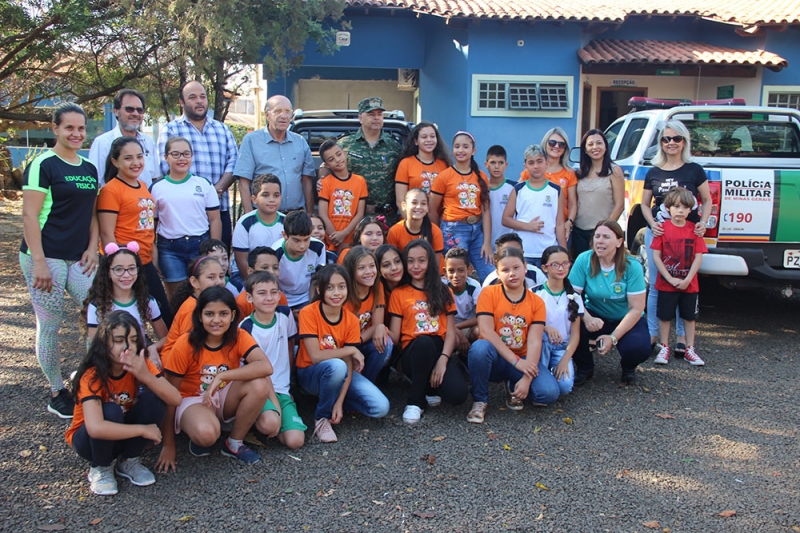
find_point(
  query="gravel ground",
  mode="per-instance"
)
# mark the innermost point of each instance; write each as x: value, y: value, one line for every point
x: 675, y: 452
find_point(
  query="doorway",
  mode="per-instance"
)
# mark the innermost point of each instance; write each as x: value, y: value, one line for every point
x: 612, y: 103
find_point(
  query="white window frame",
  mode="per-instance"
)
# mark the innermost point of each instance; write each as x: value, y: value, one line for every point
x: 477, y: 79
x: 766, y: 90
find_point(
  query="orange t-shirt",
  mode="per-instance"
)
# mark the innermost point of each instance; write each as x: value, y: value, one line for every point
x: 511, y: 321
x: 462, y: 194
x: 122, y: 390
x: 399, y: 236
x: 411, y: 304
x: 135, y: 210
x: 181, y: 323
x: 312, y: 324
x: 418, y: 175
x: 343, y: 197
x: 340, y: 259
x: 198, y: 372
x: 564, y: 178
x: 245, y: 307
x: 368, y: 305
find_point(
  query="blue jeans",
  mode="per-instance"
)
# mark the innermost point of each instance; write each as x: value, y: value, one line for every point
x: 374, y: 361
x: 325, y: 379
x: 551, y: 356
x: 174, y: 256
x: 486, y: 365
x: 652, y: 295
x: 469, y: 237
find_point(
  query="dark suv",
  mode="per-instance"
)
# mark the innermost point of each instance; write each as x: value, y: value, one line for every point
x: 318, y: 126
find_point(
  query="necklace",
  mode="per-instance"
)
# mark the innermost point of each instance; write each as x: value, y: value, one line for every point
x: 556, y: 295
x: 514, y: 302
x: 607, y: 270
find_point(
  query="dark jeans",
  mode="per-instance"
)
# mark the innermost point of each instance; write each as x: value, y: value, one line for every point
x: 227, y: 230
x: 581, y: 240
x: 418, y: 360
x: 634, y: 346
x: 156, y: 289
x: 149, y: 409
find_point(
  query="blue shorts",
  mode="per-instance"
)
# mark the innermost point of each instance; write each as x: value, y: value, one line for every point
x: 174, y: 256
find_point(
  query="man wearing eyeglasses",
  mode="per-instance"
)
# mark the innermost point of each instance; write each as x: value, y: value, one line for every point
x: 213, y: 146
x: 276, y: 150
x: 129, y: 110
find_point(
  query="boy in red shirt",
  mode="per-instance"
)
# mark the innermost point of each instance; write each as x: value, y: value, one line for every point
x: 678, y: 254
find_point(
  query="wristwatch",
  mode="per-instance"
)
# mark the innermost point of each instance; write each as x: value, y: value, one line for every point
x: 613, y: 340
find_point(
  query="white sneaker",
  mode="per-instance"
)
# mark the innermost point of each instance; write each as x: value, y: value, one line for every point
x: 134, y: 471
x: 433, y: 401
x: 663, y: 355
x: 412, y: 414
x: 102, y: 481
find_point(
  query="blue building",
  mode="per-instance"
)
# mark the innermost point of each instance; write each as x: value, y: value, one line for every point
x: 509, y: 70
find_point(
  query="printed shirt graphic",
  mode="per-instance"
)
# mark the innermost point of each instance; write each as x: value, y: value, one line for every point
x: 121, y: 390
x: 70, y: 193
x: 678, y: 248
x: 411, y: 304
x: 343, y: 196
x: 367, y: 308
x: 418, y: 175
x: 511, y: 322
x: 198, y: 372
x: 462, y: 194
x: 135, y: 210
x: 331, y: 335
x: 690, y: 176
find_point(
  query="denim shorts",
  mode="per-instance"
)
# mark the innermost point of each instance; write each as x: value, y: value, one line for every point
x: 174, y: 256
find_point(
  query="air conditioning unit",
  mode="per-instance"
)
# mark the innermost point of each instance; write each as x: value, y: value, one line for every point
x: 407, y: 79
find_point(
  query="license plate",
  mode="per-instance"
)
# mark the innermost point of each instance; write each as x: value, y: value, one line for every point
x: 791, y: 259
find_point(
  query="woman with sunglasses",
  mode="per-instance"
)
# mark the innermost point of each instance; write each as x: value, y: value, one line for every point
x: 600, y: 189
x: 556, y: 144
x: 672, y: 167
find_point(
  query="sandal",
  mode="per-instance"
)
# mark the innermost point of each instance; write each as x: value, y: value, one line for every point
x: 680, y: 350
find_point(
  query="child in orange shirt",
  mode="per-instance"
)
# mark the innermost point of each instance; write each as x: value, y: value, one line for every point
x: 259, y: 259
x: 204, y: 272
x: 511, y: 320
x: 423, y: 157
x: 342, y: 196
x: 328, y: 361
x: 112, y: 418
x: 369, y: 233
x: 205, y: 366
x: 463, y: 194
x: 416, y: 224
x: 376, y: 345
x: 422, y: 314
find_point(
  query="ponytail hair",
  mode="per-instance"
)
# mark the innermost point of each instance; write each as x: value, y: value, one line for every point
x: 196, y: 268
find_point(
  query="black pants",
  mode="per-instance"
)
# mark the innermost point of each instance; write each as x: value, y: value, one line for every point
x: 227, y: 230
x: 156, y: 289
x: 418, y: 360
x: 633, y: 347
x: 149, y: 409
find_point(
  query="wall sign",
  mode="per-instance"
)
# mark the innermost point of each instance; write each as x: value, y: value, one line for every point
x: 623, y: 83
x: 724, y: 91
x: 343, y: 38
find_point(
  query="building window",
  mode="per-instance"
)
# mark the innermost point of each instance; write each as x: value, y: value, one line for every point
x: 243, y: 106
x: 522, y: 96
x: 781, y: 96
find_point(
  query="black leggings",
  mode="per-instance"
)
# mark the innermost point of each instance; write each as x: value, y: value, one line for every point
x: 418, y: 360
x: 149, y: 409
x: 156, y: 289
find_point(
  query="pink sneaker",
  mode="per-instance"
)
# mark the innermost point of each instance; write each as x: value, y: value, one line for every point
x: 323, y: 431
x: 692, y: 358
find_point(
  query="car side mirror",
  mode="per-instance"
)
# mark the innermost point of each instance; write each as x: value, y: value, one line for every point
x: 575, y: 155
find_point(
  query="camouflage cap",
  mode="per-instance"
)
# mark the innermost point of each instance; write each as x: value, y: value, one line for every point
x: 369, y: 104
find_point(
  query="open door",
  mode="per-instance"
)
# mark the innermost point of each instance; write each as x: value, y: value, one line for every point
x: 612, y: 103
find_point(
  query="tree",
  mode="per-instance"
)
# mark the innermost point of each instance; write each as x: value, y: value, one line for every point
x: 79, y: 50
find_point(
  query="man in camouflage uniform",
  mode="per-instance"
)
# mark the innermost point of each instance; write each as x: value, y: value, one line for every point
x: 372, y: 153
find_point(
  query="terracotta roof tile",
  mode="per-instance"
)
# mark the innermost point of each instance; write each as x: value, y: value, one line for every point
x: 601, y: 51
x: 736, y: 11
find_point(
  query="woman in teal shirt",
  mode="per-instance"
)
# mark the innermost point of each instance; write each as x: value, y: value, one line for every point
x: 614, y: 292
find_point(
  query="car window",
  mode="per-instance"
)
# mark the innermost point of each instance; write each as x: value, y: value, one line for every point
x: 742, y: 134
x: 631, y: 138
x: 611, y: 135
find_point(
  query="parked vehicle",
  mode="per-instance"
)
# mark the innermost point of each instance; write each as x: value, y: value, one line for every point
x: 319, y: 126
x: 752, y: 158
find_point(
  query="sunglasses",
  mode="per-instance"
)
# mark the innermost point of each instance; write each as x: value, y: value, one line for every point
x: 556, y: 144
x: 675, y: 138
x: 130, y: 109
